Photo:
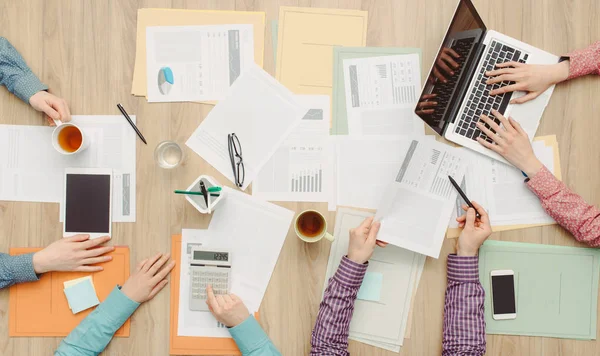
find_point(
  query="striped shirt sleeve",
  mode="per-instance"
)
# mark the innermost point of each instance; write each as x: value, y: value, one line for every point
x: 464, y: 324
x: 584, y: 61
x: 330, y: 335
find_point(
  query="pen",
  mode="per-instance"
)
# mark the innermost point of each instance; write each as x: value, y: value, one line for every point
x: 462, y: 194
x: 122, y: 109
x: 187, y: 192
x: 204, y: 192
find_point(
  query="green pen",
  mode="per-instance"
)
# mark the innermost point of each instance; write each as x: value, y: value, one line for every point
x: 214, y: 189
x: 186, y: 192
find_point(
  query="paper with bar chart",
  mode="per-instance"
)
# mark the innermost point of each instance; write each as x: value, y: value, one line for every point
x: 381, y: 93
x: 301, y: 169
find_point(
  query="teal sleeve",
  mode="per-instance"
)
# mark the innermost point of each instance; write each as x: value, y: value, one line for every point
x: 252, y: 340
x: 95, y: 331
x: 15, y: 75
x: 16, y: 269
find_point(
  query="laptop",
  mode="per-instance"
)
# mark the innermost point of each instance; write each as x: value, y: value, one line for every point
x: 463, y: 96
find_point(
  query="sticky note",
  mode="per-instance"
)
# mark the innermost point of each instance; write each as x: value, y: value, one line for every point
x: 370, y: 289
x: 81, y: 296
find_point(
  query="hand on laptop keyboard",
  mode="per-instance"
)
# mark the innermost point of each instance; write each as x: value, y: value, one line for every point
x: 446, y: 64
x: 510, y: 141
x: 532, y: 78
x: 427, y: 104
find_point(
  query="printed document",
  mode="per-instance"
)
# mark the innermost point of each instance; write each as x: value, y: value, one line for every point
x: 194, y: 63
x: 260, y: 111
x: 416, y: 207
x: 31, y: 169
x: 381, y: 93
x: 302, y: 168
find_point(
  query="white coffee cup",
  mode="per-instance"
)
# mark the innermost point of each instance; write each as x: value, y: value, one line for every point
x: 66, y: 136
x: 311, y: 226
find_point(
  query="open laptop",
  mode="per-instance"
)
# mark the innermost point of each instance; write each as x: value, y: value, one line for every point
x: 463, y: 96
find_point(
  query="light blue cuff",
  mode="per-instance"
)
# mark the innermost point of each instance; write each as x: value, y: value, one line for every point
x: 248, y: 335
x: 22, y: 268
x: 27, y: 85
x: 118, y: 307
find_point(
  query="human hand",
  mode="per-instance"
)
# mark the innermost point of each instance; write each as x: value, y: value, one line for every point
x: 426, y: 107
x: 363, y: 240
x: 475, y: 231
x: 511, y: 142
x: 445, y: 65
x: 75, y: 253
x: 229, y: 310
x: 148, y: 278
x: 54, y: 107
x: 532, y: 78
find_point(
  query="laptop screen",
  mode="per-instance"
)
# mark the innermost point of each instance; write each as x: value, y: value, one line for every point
x: 450, y: 69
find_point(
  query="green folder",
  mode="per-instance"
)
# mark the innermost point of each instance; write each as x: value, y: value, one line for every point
x: 339, y: 122
x: 556, y: 289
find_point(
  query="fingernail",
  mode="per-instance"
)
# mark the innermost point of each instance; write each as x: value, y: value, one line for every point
x: 451, y: 73
x: 445, y: 81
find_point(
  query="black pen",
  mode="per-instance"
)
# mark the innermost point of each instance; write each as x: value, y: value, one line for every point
x: 131, y: 123
x: 462, y: 194
x: 204, y: 192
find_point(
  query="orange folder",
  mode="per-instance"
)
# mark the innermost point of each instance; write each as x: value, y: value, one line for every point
x: 41, y: 309
x: 186, y: 345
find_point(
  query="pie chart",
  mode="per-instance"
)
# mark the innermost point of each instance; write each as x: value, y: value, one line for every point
x: 165, y: 80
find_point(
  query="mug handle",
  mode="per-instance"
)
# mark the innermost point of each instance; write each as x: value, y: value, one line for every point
x: 57, y: 122
x: 329, y: 236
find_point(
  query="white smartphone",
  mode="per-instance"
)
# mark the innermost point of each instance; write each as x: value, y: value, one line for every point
x: 88, y: 202
x: 504, y: 304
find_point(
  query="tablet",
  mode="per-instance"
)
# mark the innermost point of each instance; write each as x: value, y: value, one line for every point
x: 88, y: 205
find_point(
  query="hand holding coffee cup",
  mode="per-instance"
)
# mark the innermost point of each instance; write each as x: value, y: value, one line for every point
x: 311, y: 226
x: 363, y: 240
x: 69, y: 139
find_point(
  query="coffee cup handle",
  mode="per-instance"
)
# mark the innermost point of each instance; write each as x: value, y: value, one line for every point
x: 57, y: 122
x: 329, y: 236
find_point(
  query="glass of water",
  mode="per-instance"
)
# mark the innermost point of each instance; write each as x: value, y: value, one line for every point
x: 168, y: 154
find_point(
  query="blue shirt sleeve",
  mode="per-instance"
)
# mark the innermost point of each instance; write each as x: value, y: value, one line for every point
x: 94, y: 333
x: 15, y: 75
x: 252, y: 340
x: 16, y: 269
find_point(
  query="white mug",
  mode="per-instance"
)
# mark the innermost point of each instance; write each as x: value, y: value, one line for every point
x: 62, y: 144
x: 311, y: 226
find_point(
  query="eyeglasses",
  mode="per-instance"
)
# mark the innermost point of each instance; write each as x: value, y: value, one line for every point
x: 235, y: 155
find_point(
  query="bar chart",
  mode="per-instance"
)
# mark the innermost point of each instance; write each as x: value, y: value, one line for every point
x: 307, y: 181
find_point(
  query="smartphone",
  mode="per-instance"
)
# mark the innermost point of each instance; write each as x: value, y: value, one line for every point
x: 88, y: 202
x: 503, y: 295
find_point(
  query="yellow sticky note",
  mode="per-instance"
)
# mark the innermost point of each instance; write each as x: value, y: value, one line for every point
x: 73, y: 282
x: 305, y: 45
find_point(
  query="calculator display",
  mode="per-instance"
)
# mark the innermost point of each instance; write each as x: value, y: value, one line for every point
x: 211, y: 256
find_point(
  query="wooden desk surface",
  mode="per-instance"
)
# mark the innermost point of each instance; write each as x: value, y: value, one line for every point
x: 85, y: 50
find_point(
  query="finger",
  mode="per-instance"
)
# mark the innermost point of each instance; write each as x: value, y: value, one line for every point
x: 163, y: 273
x: 94, y: 260
x: 220, y: 300
x: 507, y: 89
x: 157, y: 288
x: 381, y: 243
x: 461, y: 218
x: 450, y: 61
x: 95, y: 252
x: 141, y: 264
x: 514, y: 124
x: 59, y: 106
x: 525, y: 98
x: 158, y: 264
x: 151, y: 261
x: 227, y: 299
x: 372, y: 238
x: 50, y: 111
x: 78, y: 238
x: 442, y: 64
x: 67, y: 118
x: 452, y: 52
x: 482, y: 213
x: 210, y: 298
x: 507, y: 126
x: 88, y: 269
x: 470, y: 222
x: 499, y: 130
x: 50, y: 121
x: 497, y: 72
x: 510, y: 64
x: 425, y: 112
x: 464, y: 207
x: 94, y: 242
x: 502, y: 78
x: 488, y: 132
x: 234, y: 297
x: 424, y: 104
x: 439, y: 75
x: 366, y: 223
x: 461, y: 225
x: 428, y: 96
x: 486, y: 144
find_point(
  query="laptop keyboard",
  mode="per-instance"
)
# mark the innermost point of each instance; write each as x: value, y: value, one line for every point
x: 444, y: 90
x: 479, y: 100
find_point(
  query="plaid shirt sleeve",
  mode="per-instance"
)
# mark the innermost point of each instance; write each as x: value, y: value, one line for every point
x: 330, y: 335
x: 584, y: 61
x: 464, y: 324
x: 566, y: 207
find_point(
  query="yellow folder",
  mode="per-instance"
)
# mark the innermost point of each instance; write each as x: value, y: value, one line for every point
x: 179, y: 17
x: 549, y: 141
x: 305, y: 45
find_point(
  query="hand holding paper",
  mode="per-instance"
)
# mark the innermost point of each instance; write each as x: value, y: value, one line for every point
x: 475, y: 231
x: 363, y: 240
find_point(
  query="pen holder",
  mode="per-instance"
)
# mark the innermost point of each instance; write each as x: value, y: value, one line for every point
x: 197, y: 201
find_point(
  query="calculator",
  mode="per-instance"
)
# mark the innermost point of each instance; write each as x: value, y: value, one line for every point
x: 208, y: 267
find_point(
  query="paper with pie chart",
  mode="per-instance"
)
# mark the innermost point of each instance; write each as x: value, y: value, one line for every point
x: 196, y: 63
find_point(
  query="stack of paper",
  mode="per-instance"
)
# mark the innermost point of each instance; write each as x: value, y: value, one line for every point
x: 32, y: 170
x: 500, y: 189
x: 81, y: 294
x: 556, y: 289
x: 384, y: 301
x: 253, y: 231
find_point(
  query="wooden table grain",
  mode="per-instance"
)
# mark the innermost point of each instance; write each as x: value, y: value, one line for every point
x: 85, y: 49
